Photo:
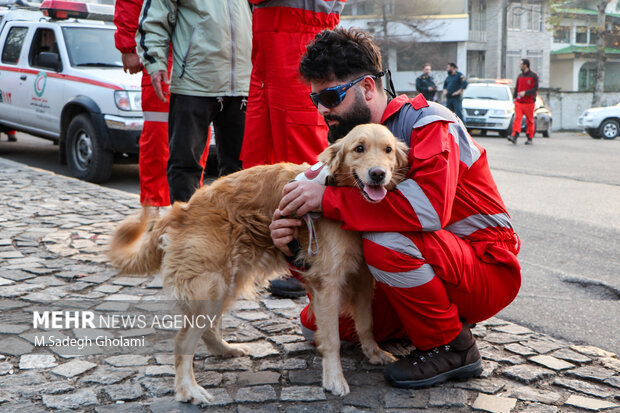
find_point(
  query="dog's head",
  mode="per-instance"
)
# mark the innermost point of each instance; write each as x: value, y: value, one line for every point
x: 368, y: 157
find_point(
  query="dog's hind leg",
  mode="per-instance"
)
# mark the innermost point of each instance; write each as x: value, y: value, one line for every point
x: 326, y: 306
x: 362, y: 315
x: 212, y: 337
x: 185, y: 386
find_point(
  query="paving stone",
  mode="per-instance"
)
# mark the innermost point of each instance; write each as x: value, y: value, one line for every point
x: 263, y: 349
x: 447, y: 398
x: 570, y: 355
x: 583, y: 387
x: 255, y: 394
x: 251, y: 315
x: 211, y: 378
x: 512, y: 329
x: 298, y: 348
x: 54, y: 387
x: 5, y: 281
x: 314, y: 376
x: 273, y: 327
x: 302, y: 394
x: 536, y: 395
x: 21, y: 406
x: 610, y: 363
x: 526, y: 374
x: 170, y: 405
x: 613, y: 381
x: 127, y: 360
x: 159, y: 370
x: 14, y: 328
x: 73, y: 368
x: 520, y: 349
x: 5, y: 368
x: 79, y: 399
x: 286, y: 338
x: 551, y: 362
x: 157, y: 387
x: 405, y: 399
x: 593, y: 351
x: 278, y: 303
x: 286, y: 364
x: 588, y: 403
x: 123, y: 391
x: 108, y: 289
x: 17, y: 275
x: 543, y: 346
x: 595, y: 373
x: 250, y: 378
x: 107, y: 375
x: 236, y: 363
x: 492, y: 353
x: 128, y: 281
x: 265, y: 408
x: 14, y: 346
x: 121, y: 408
x: 492, y: 386
x: 494, y: 404
x: 37, y: 361
x: 363, y: 397
x: 502, y: 338
x: 17, y: 290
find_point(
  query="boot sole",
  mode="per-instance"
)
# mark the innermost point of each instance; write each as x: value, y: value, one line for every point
x: 287, y: 294
x: 462, y: 373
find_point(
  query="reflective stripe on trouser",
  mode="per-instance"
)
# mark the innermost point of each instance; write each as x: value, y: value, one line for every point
x: 153, y: 156
x: 526, y: 109
x: 434, y: 279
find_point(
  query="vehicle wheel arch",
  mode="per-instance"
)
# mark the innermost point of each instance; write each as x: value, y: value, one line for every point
x: 74, y: 107
x: 611, y: 118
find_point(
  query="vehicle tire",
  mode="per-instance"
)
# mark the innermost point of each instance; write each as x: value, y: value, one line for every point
x: 86, y: 157
x: 547, y: 133
x: 483, y: 132
x: 609, y: 129
x: 593, y: 133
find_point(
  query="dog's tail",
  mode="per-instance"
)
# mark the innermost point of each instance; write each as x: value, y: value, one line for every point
x: 135, y: 248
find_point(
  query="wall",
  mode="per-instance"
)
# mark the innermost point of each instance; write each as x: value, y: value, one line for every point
x: 562, y: 74
x: 566, y: 107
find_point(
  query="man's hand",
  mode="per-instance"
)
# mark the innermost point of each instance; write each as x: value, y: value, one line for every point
x: 131, y: 63
x: 301, y: 197
x: 157, y: 79
x: 445, y: 92
x: 521, y: 94
x: 283, y: 231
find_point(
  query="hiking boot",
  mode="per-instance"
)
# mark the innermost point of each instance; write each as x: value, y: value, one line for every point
x: 287, y: 287
x: 457, y: 360
x: 529, y: 141
x: 513, y: 138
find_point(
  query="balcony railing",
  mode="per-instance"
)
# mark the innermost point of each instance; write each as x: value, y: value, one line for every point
x: 477, y: 36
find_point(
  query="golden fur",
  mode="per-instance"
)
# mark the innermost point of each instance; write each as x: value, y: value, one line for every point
x: 217, y: 247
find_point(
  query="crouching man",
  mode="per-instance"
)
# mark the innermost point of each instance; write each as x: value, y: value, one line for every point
x: 441, y: 246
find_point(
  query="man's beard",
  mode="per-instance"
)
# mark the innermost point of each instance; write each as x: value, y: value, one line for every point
x: 358, y: 115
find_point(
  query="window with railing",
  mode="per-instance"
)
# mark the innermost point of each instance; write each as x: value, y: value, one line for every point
x: 581, y: 35
x: 561, y: 34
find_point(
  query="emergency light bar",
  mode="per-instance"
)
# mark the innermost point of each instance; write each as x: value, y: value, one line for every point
x: 63, y: 9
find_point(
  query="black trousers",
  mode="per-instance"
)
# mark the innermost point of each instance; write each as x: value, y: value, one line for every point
x: 188, y: 124
x: 455, y: 104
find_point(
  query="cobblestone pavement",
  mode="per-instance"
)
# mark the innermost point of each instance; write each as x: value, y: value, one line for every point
x: 53, y: 233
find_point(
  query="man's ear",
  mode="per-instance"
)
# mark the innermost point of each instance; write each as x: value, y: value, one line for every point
x: 333, y: 156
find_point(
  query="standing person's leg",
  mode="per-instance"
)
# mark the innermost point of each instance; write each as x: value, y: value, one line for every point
x: 228, y: 122
x: 188, y: 124
x: 458, y: 107
x: 153, y: 156
x: 516, y: 123
x: 529, y: 119
x: 450, y: 103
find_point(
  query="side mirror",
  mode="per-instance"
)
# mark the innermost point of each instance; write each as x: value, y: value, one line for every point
x: 49, y: 60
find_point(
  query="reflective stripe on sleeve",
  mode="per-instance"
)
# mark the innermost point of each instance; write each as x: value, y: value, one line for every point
x: 428, y: 217
x: 473, y: 223
x: 155, y: 116
x: 395, y: 242
x: 327, y: 7
x: 409, y: 279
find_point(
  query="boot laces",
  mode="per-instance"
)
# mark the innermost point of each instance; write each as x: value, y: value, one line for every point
x: 417, y: 356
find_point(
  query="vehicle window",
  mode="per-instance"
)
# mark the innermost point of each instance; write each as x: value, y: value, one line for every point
x: 486, y: 92
x: 44, y: 41
x: 91, y: 46
x: 13, y: 45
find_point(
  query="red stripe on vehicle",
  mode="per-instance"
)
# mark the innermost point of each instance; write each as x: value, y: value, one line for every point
x: 63, y: 76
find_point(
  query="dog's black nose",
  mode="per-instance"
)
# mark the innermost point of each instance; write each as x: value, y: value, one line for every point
x: 377, y: 175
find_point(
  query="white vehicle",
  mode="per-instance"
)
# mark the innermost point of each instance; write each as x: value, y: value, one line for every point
x: 61, y: 78
x: 601, y: 122
x: 488, y: 107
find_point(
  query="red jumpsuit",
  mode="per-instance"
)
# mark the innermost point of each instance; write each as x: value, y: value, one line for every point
x: 441, y: 246
x: 153, y: 156
x: 281, y: 123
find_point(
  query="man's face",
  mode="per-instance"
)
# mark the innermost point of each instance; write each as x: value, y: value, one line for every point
x: 352, y: 111
x: 523, y: 67
x: 427, y: 70
x: 449, y: 69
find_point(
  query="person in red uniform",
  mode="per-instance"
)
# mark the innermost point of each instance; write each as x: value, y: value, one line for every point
x: 525, y: 102
x: 281, y: 124
x: 441, y: 246
x: 153, y: 156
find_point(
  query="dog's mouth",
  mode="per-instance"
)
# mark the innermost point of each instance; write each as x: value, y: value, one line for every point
x: 373, y: 193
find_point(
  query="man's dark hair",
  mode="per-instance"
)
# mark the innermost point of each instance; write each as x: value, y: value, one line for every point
x: 453, y: 65
x: 526, y: 62
x: 340, y: 54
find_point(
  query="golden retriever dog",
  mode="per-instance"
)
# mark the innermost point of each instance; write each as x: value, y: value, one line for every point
x: 217, y: 247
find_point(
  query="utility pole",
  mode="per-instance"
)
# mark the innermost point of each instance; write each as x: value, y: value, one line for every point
x: 502, y: 58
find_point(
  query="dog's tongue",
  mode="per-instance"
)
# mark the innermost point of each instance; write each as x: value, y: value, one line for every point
x: 375, y: 192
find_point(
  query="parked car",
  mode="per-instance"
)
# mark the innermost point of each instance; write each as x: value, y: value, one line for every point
x: 542, y: 118
x: 488, y: 106
x: 601, y: 122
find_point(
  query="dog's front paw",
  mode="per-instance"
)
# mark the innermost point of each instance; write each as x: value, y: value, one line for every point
x: 236, y: 350
x: 336, y: 384
x: 376, y: 355
x: 193, y: 394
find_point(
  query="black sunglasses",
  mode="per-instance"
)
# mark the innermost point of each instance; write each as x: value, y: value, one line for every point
x: 333, y: 96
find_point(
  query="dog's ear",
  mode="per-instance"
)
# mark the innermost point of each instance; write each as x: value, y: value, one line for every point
x: 402, y: 157
x: 333, y: 156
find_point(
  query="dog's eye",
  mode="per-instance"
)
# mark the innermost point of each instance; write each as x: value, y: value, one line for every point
x: 388, y: 149
x: 359, y: 148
